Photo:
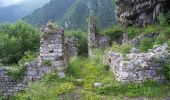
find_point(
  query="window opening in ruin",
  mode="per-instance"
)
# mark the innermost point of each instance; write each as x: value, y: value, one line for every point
x: 51, y: 51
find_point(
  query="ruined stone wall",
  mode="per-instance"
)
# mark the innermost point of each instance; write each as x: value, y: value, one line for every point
x: 55, y: 49
x: 52, y: 49
x: 91, y: 35
x: 8, y: 86
x: 71, y: 46
x: 98, y: 40
x: 137, y: 66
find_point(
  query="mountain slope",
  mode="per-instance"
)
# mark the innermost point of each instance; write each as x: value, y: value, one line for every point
x: 54, y: 10
x: 73, y: 14
x: 14, y: 12
x: 103, y: 10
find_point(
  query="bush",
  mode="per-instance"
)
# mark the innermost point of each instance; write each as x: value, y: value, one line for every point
x: 166, y: 32
x: 162, y: 20
x: 152, y: 28
x: 42, y: 91
x: 28, y: 57
x: 82, y: 40
x: 47, y: 63
x: 149, y: 89
x: 146, y: 44
x: 160, y: 39
x: 125, y: 48
x: 16, y: 72
x: 15, y: 40
x: 51, y: 77
x: 133, y: 32
x: 166, y: 69
x: 114, y: 32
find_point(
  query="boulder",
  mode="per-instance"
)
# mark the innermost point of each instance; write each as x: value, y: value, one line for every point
x: 98, y: 85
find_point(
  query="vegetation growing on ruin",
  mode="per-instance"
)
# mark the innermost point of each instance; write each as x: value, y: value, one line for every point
x: 80, y: 78
x: 19, y: 43
x: 81, y: 40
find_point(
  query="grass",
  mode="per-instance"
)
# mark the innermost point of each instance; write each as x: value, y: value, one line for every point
x: 149, y: 89
x: 92, y: 70
x: 52, y: 87
x: 116, y: 32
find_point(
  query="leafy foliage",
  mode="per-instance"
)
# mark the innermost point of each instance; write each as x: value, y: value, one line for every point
x: 15, y: 40
x: 146, y: 44
x: 42, y: 91
x: 53, y: 11
x: 149, y: 89
x: 125, y: 48
x: 47, y: 63
x: 82, y: 40
x: 166, y: 69
x: 114, y: 32
x: 17, y: 71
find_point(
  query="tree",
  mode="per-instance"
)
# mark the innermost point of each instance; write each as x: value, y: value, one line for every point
x: 15, y: 40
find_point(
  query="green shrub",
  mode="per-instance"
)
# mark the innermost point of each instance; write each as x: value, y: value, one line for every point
x: 82, y: 40
x: 149, y: 89
x: 15, y: 40
x: 82, y: 68
x: 115, y: 47
x: 146, y: 44
x: 166, y: 69
x: 114, y: 32
x: 160, y: 39
x: 47, y: 63
x: 75, y: 67
x: 151, y: 29
x: 16, y: 72
x: 166, y: 32
x: 133, y: 32
x: 28, y: 57
x: 97, y: 56
x: 162, y: 20
x: 51, y: 77
x: 125, y: 48
x: 43, y: 91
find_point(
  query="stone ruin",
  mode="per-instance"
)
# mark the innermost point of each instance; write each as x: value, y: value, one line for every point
x: 52, y: 49
x: 55, y: 49
x: 97, y: 40
x: 137, y: 66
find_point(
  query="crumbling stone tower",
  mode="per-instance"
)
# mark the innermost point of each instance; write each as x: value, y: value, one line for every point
x: 91, y: 34
x: 52, y: 49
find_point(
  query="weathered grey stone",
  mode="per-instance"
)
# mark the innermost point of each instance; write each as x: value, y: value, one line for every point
x: 61, y: 74
x: 140, y: 66
x: 52, y: 49
x: 98, y: 85
x: 134, y: 50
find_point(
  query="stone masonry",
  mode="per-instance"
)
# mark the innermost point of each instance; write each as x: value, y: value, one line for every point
x: 97, y: 40
x: 137, y: 66
x: 54, y: 50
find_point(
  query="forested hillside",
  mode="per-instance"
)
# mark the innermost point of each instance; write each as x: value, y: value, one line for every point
x: 17, y: 11
x: 74, y: 13
x: 52, y: 11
